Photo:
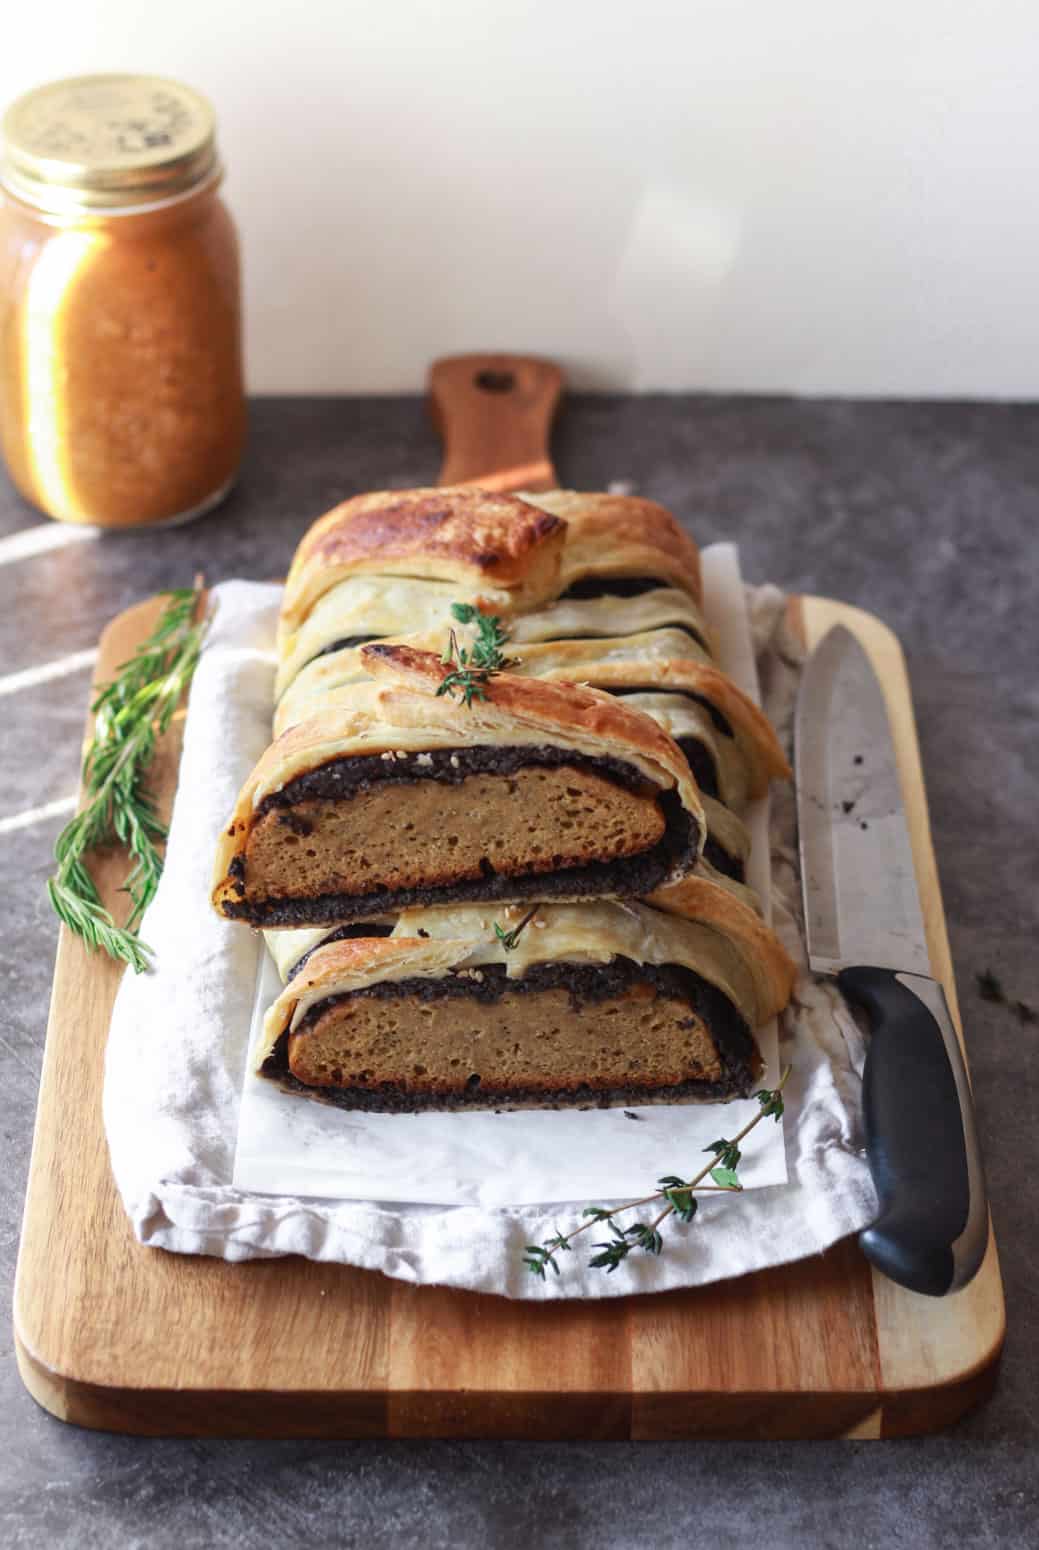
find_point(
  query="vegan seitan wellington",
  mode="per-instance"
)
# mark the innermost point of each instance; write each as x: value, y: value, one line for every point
x: 474, y: 870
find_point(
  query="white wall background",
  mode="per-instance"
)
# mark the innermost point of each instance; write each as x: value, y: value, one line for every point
x: 817, y: 196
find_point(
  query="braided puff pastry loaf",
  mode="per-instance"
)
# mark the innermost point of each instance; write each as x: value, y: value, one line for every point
x: 393, y: 835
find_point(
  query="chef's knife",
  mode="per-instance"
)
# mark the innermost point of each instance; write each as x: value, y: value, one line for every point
x: 865, y: 925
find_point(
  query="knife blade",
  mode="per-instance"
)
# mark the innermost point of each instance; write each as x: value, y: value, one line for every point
x: 865, y: 926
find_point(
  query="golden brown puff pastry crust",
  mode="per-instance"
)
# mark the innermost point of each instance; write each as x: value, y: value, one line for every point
x: 609, y: 663
x: 451, y: 534
x: 572, y: 710
x: 621, y: 535
x: 401, y: 714
x: 333, y: 669
x: 312, y: 689
x: 417, y: 613
x: 539, y: 702
x: 719, y: 905
x: 600, y: 663
x: 577, y: 618
x: 373, y: 607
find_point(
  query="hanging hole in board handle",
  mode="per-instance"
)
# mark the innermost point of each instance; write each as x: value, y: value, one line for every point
x: 494, y: 412
x: 490, y: 381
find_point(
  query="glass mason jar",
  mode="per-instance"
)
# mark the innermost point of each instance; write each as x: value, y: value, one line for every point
x: 121, y: 399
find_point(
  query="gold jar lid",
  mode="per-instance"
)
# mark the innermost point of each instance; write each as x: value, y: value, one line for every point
x: 107, y: 142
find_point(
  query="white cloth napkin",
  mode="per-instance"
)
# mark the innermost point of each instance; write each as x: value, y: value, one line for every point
x: 177, y: 1050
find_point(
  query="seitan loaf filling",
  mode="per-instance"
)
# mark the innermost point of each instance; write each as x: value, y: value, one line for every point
x: 361, y: 835
x: 563, y: 1033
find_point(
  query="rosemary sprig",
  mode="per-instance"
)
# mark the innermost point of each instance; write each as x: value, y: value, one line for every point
x: 473, y: 667
x: 678, y: 1194
x: 131, y: 713
x: 510, y: 939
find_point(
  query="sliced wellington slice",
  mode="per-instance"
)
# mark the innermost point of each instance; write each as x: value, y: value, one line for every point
x: 599, y: 1003
x: 452, y: 534
x: 620, y: 536
x: 411, y: 797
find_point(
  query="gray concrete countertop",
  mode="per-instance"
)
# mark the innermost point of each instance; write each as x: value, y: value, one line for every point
x: 925, y: 514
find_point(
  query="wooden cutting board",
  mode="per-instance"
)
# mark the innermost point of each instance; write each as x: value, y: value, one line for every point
x: 114, y: 1336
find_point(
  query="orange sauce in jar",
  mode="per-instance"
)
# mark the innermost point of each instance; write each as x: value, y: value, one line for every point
x: 121, y: 399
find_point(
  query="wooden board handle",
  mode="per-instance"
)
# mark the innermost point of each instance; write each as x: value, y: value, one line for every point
x: 494, y: 413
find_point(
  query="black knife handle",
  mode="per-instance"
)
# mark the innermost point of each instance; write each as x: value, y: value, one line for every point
x: 921, y: 1140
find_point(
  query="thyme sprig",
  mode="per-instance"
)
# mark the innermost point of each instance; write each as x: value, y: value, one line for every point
x: 131, y: 713
x: 678, y: 1195
x: 510, y: 939
x: 473, y: 667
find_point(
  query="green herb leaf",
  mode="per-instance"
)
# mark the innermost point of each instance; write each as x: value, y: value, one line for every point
x: 683, y: 1202
x: 727, y: 1153
x: 470, y: 685
x: 611, y: 1255
x: 646, y: 1237
x: 472, y: 670
x: 537, y: 1257
x: 510, y: 939
x: 677, y: 1193
x: 771, y: 1103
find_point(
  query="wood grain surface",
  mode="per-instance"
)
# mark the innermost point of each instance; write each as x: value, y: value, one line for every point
x: 115, y: 1336
x: 494, y: 414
